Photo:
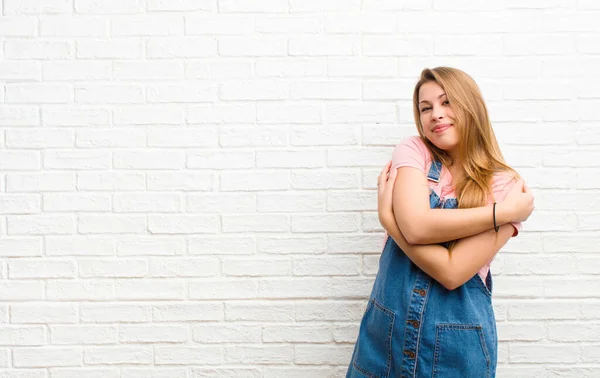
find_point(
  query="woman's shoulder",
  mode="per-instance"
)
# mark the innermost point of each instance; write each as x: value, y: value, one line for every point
x: 412, y: 152
x: 413, y: 142
x: 503, y: 180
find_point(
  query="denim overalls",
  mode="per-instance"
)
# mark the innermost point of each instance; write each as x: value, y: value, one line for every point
x: 414, y: 327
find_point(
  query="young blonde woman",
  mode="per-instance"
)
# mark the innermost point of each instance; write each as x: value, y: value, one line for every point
x: 430, y: 311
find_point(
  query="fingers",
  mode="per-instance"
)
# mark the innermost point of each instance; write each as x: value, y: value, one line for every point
x: 384, y: 173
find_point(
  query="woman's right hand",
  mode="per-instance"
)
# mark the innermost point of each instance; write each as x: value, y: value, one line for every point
x: 518, y: 202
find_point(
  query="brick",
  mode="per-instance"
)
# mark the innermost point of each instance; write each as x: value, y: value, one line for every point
x: 69, y: 115
x: 20, y: 160
x: 110, y: 49
x: 146, y: 203
x: 40, y: 138
x: 38, y: 93
x: 76, y: 70
x: 183, y: 224
x: 255, y: 267
x: 230, y: 46
x: 329, y: 266
x: 261, y: 354
x: 239, y: 6
x: 121, y: 268
x: 330, y: 310
x: 79, y: 246
x: 77, y: 335
x: 259, y: 311
x: 290, y: 159
x: 329, y: 135
x: 291, y: 244
x: 180, y: 181
x: 179, y: 5
x: 209, y: 334
x: 63, y: 202
x: 230, y: 245
x: 316, y: 45
x: 11, y: 115
x: 270, y: 113
x: 151, y: 246
x: 288, y: 24
x: 41, y: 269
x: 154, y: 372
x: 111, y: 181
x: 34, y: 7
x: 76, y: 159
x: 155, y: 289
x: 187, y: 355
x: 188, y: 311
x: 117, y: 224
x: 43, y: 313
x: 220, y: 159
x: 146, y: 25
x: 79, y: 290
x: 88, y: 372
x: 148, y: 159
x: 20, y: 70
x: 40, y: 224
x: 47, y: 357
x: 22, y: 335
x: 140, y: 70
x: 297, y: 334
x: 181, y: 47
x: 370, y: 23
x: 109, y: 94
x: 254, y: 180
x: 122, y: 137
x: 225, y: 24
x: 242, y: 288
x: 291, y: 202
x: 109, y: 7
x: 68, y: 26
x: 20, y: 247
x: 110, y: 313
x: 184, y: 267
x: 217, y: 69
x: 256, y: 223
x: 325, y: 223
x: 329, y: 90
x: 20, y: 204
x: 294, y: 67
x: 118, y: 355
x: 152, y: 334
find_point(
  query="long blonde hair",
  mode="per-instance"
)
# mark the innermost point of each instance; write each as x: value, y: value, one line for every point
x: 478, y: 150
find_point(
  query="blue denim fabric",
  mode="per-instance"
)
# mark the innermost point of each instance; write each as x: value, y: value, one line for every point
x: 414, y: 327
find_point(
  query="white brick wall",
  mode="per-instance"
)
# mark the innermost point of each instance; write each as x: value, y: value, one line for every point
x: 187, y: 187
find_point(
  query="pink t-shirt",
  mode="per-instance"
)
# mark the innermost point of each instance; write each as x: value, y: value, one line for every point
x: 412, y: 152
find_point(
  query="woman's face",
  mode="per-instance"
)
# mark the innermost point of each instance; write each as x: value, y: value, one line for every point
x: 437, y: 117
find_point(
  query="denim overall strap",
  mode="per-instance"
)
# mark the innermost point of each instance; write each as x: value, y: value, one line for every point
x: 435, y: 171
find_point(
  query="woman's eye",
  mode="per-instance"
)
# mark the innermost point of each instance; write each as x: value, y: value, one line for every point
x: 424, y: 109
x: 446, y: 102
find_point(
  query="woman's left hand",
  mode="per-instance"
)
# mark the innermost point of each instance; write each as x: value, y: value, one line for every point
x: 385, y: 188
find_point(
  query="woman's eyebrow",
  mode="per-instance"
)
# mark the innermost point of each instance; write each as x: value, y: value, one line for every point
x: 440, y: 96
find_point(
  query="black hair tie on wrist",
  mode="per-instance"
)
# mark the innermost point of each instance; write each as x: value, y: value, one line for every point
x: 496, y: 228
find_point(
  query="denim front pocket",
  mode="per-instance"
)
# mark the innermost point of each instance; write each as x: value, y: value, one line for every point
x: 460, y: 351
x: 373, y: 354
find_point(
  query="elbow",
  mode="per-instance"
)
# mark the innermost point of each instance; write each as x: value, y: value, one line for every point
x: 452, y: 282
x: 414, y: 235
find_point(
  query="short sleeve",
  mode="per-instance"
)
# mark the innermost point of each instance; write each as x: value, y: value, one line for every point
x: 411, y: 152
x: 501, y: 185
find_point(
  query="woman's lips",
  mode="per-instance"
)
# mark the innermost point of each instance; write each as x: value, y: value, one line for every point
x: 441, y: 128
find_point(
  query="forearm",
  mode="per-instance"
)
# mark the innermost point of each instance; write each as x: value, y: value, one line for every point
x: 452, y: 269
x: 437, y: 226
